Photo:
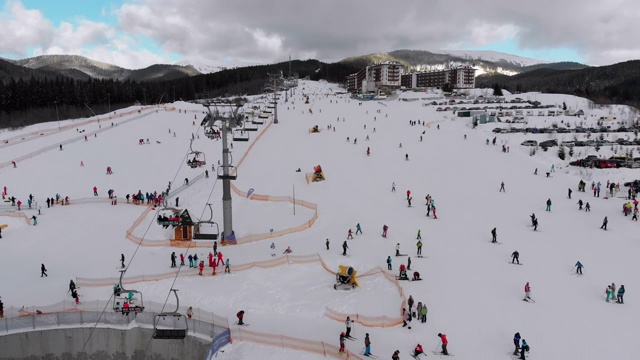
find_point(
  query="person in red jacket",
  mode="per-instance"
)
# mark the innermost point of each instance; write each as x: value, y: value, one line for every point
x: 527, y: 292
x: 181, y: 259
x: 417, y: 351
x: 95, y: 191
x: 19, y: 203
x: 220, y: 258
x: 240, y: 316
x: 201, y: 267
x: 210, y: 260
x: 445, y: 342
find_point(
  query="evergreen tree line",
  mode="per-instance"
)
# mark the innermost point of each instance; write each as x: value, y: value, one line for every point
x: 34, y: 100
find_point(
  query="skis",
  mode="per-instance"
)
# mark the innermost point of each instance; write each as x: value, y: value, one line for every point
x: 370, y: 355
x: 351, y: 338
x: 422, y: 257
x: 513, y: 263
x: 347, y: 255
x: 495, y: 242
x: 529, y: 300
x: 402, y: 255
x: 243, y: 324
x: 441, y: 354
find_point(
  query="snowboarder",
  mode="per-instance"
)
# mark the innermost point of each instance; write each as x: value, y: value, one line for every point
x: 122, y: 261
x: 358, y: 229
x: 502, y: 187
x: 240, y: 316
x: 419, y: 237
x: 549, y: 204
x: 494, y: 236
x: 342, y: 337
x: 445, y: 342
x: 398, y: 249
x: 579, y: 267
x: 327, y: 243
x: 389, y: 263
x: 516, y: 343
x: 604, y: 223
x: 419, y: 245
x: 515, y: 256
x: 344, y: 248
x: 173, y: 259
x: 367, y: 345
x: 527, y: 292
x: 43, y: 271
x: 621, y: 295
x: 348, y: 323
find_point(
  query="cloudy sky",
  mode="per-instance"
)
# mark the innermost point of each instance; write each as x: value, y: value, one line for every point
x: 138, y: 33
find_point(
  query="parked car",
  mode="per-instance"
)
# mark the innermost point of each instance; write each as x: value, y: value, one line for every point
x: 549, y: 143
x: 529, y: 143
x: 605, y: 164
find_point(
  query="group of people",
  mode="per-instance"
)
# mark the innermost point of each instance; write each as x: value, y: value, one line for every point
x: 613, y: 295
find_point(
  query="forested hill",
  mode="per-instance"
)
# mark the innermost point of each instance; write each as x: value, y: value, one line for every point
x: 32, y: 97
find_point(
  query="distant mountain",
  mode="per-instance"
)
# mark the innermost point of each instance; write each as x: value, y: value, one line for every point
x: 564, y: 65
x: 10, y: 70
x: 617, y: 83
x: 201, y: 66
x: 82, y: 68
x: 486, y: 62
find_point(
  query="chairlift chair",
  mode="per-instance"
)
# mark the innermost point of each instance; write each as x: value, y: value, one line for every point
x: 206, y: 229
x: 170, y: 325
x: 195, y: 158
x: 222, y: 176
x: 124, y: 295
x: 240, y: 135
x: 250, y: 126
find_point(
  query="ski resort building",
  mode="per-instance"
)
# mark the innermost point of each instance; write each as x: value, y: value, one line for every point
x: 461, y: 77
x: 385, y: 75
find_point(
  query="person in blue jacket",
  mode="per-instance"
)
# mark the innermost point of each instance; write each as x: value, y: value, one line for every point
x: 516, y: 342
x: 621, y: 295
x: 579, y: 267
x: 524, y: 348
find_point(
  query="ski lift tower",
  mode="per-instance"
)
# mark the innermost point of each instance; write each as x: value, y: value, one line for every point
x: 227, y: 113
x: 275, y: 79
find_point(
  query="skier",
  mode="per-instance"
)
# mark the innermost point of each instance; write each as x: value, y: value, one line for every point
x: 525, y: 347
x: 396, y: 355
x: 535, y: 224
x: 173, y: 259
x: 579, y: 267
x: 358, y: 229
x: 181, y: 259
x: 516, y: 342
x: 423, y: 313
x: 406, y: 157
x: 419, y: 245
x: 409, y: 263
x: 273, y: 249
x: 348, y: 323
x: 549, y: 204
x: 367, y: 345
x: 190, y: 260
x: 398, y: 249
x: 408, y: 194
x: 502, y: 187
x: 569, y: 193
x: 72, y: 286
x: 409, y: 201
x: 201, y: 267
x: 35, y: 220
x: 445, y: 342
x: 393, y: 187
x: 417, y: 351
x: 580, y: 204
x: 43, y: 271
x: 2, y: 310
x: 227, y: 269
x: 122, y: 260
x: 368, y: 151
x: 344, y: 248
x: 389, y: 263
x: 240, y: 316
x: 527, y: 292
x: 533, y: 217
x: 75, y: 296
x: 95, y: 191
x: 604, y: 223
x: 327, y: 243
x: 342, y: 337
x: 515, y: 256
x: 215, y: 248
x: 587, y: 207
x: 494, y: 236
x: 384, y: 231
x: 419, y: 237
x: 535, y: 172
x: 350, y: 235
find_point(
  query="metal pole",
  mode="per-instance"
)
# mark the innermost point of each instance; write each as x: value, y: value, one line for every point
x: 57, y: 116
x: 275, y: 101
x: 294, y: 199
x: 226, y: 184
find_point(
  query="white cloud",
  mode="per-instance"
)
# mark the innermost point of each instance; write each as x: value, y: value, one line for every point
x: 22, y: 29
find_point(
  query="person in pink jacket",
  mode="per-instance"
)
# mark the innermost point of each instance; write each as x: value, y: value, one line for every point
x: 527, y: 292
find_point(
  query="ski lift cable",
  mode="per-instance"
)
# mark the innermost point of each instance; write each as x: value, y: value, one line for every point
x: 182, y: 162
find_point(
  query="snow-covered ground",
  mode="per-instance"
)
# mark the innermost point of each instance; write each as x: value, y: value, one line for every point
x: 473, y: 294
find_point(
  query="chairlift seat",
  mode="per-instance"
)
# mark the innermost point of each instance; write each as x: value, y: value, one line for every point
x: 168, y: 334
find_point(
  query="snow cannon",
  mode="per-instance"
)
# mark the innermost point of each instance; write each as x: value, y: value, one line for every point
x: 346, y: 278
x: 314, y: 130
x: 318, y: 175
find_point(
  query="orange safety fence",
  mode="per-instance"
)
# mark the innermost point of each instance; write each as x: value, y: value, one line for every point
x: 17, y: 214
x: 287, y: 342
x: 365, y: 320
